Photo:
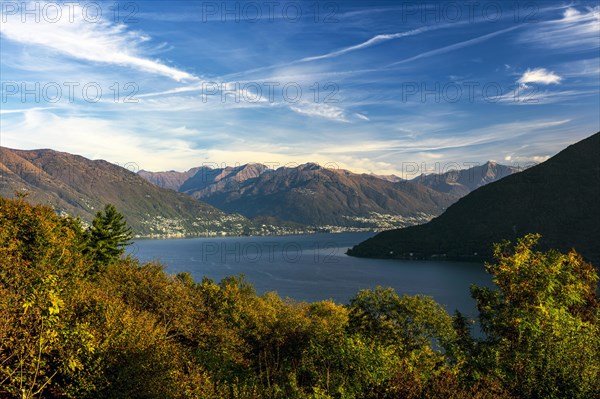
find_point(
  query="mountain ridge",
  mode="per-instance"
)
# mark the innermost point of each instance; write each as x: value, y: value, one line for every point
x: 312, y: 194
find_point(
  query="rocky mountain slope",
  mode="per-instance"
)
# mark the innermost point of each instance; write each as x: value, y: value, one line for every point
x: 462, y: 182
x: 80, y: 187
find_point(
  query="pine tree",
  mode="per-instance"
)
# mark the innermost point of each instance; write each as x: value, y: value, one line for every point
x: 108, y: 236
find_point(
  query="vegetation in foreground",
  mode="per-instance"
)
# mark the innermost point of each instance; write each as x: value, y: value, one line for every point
x: 79, y: 320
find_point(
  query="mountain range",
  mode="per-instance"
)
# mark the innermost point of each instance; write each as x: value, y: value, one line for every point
x: 246, y: 199
x: 559, y: 198
x: 318, y: 196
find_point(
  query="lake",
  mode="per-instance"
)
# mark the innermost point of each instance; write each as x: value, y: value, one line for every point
x: 314, y: 267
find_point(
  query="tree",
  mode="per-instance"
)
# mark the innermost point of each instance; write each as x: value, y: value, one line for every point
x: 108, y: 236
x: 542, y: 324
x: 408, y: 322
x: 41, y: 267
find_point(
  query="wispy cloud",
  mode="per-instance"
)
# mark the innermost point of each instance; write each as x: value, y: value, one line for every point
x: 529, y: 95
x: 178, y: 90
x: 321, y: 110
x: 587, y: 68
x: 575, y: 31
x: 528, y: 92
x: 22, y: 110
x: 455, y: 46
x: 487, y: 135
x: 371, y: 42
x: 345, y: 50
x: 101, y: 41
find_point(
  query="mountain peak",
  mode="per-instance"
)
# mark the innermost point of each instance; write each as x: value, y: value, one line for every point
x: 310, y: 166
x: 391, y: 178
x: 461, y: 182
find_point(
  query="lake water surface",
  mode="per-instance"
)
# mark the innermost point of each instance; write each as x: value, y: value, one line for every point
x: 314, y: 267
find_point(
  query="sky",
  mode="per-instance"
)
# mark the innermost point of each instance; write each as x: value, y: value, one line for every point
x: 386, y: 87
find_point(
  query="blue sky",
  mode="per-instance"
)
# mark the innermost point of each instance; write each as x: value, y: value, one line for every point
x: 383, y: 87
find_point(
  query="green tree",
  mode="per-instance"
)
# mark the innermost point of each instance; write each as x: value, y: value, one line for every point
x: 542, y: 324
x: 108, y: 236
x: 407, y: 322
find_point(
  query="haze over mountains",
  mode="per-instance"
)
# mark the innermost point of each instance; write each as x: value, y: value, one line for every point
x: 313, y: 195
x: 559, y: 199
